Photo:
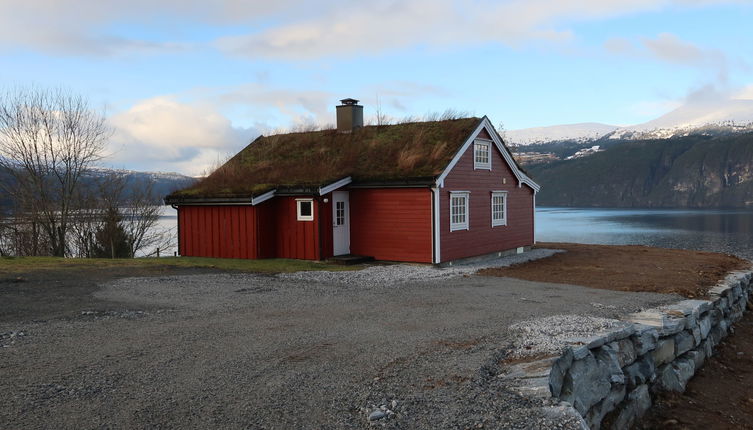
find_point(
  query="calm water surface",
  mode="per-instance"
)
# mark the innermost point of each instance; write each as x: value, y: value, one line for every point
x: 728, y: 231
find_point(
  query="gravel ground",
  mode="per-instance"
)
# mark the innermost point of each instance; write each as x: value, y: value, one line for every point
x: 404, y: 273
x: 276, y: 352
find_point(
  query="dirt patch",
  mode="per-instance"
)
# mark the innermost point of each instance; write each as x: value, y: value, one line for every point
x: 627, y: 268
x: 720, y: 396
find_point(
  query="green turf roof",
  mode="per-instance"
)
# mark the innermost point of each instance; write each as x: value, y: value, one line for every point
x: 409, y: 151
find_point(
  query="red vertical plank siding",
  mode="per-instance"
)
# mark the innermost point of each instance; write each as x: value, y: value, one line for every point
x: 325, y: 228
x: 481, y: 238
x: 391, y: 224
x: 296, y: 239
x: 218, y: 231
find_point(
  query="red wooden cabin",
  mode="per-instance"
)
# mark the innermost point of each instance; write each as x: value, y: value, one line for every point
x: 427, y: 192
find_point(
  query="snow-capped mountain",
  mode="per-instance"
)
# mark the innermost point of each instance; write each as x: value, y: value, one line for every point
x: 584, y: 132
x: 730, y: 115
x: 712, y: 117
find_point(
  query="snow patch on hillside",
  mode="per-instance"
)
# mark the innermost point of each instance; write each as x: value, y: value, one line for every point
x: 582, y: 132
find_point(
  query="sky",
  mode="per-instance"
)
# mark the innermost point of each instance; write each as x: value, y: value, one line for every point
x: 187, y: 83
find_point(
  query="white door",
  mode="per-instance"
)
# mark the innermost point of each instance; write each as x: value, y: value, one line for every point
x: 341, y: 222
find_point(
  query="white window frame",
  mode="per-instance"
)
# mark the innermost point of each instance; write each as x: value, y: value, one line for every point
x: 503, y: 221
x: 481, y: 164
x: 300, y: 217
x: 461, y: 225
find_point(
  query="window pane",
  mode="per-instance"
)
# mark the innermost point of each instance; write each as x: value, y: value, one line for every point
x: 305, y: 208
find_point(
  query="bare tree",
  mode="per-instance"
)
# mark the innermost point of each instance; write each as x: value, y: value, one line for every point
x: 48, y: 140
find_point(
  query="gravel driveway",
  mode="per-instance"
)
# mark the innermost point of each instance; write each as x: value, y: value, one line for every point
x: 286, y: 352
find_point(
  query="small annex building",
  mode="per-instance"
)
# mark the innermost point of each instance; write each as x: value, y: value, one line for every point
x: 427, y: 192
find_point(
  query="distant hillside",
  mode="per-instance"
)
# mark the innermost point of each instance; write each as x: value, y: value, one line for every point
x: 693, y: 171
x: 162, y: 183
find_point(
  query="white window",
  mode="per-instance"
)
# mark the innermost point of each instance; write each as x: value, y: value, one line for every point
x: 459, y: 210
x: 499, y: 208
x: 305, y: 209
x: 482, y: 154
x: 339, y: 213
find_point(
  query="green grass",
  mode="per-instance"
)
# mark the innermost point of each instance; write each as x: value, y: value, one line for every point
x: 9, y: 265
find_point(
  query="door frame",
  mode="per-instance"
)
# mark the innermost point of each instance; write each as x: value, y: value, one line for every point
x: 340, y: 196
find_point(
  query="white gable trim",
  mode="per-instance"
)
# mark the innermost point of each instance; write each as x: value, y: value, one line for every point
x: 262, y: 197
x: 335, y: 185
x: 486, y: 124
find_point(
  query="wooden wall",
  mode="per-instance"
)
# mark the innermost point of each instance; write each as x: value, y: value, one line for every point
x: 482, y: 238
x: 218, y: 231
x: 391, y: 224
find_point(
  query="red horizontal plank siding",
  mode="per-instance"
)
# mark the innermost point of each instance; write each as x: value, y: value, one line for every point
x: 218, y: 231
x: 391, y: 224
x: 482, y: 238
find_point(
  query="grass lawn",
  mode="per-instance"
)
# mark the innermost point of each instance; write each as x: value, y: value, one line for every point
x: 11, y: 265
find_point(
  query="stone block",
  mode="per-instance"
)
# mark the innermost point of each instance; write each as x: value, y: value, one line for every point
x: 608, y: 357
x: 641, y: 372
x: 558, y: 372
x: 675, y: 376
x: 716, y: 316
x: 708, y: 348
x: 698, y: 356
x: 564, y: 412
x: 684, y: 342
x: 704, y: 324
x: 597, y: 413
x: 580, y: 352
x: 666, y: 322
x: 644, y: 339
x: 625, y: 351
x: 637, y: 404
x: 586, y: 384
x: 664, y: 351
x: 696, y: 332
x: 692, y: 309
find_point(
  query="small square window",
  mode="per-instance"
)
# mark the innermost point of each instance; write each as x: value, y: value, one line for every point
x: 305, y: 209
x: 482, y: 155
x: 499, y: 208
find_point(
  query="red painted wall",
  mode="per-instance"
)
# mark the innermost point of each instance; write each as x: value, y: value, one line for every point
x: 391, y: 224
x: 218, y: 231
x: 296, y: 239
x: 482, y: 238
x: 268, y: 230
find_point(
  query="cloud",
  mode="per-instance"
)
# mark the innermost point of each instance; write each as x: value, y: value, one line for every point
x: 164, y: 134
x: 298, y: 30
x: 746, y: 93
x: 87, y: 27
x: 357, y: 27
x: 670, y: 48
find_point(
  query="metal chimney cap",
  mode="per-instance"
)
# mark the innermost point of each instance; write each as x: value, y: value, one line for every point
x: 349, y: 101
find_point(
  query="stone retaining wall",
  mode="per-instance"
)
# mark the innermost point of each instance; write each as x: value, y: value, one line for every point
x: 613, y: 375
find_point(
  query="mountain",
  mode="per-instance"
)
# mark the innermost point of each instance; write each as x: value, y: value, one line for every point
x: 583, y: 132
x: 162, y: 183
x: 713, y: 117
x: 697, y: 171
x: 699, y: 117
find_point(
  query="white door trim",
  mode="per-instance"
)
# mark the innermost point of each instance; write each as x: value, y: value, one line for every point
x: 340, y: 223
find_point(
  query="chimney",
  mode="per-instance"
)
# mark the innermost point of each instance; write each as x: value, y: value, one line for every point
x: 349, y: 115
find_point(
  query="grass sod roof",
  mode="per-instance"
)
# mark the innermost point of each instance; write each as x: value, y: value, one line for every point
x: 388, y: 153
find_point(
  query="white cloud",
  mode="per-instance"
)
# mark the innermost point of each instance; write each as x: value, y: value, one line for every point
x: 746, y: 93
x: 164, y: 134
x: 670, y: 48
x: 298, y: 30
x: 359, y: 27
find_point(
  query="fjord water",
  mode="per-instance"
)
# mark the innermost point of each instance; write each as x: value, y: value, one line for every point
x: 717, y: 230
